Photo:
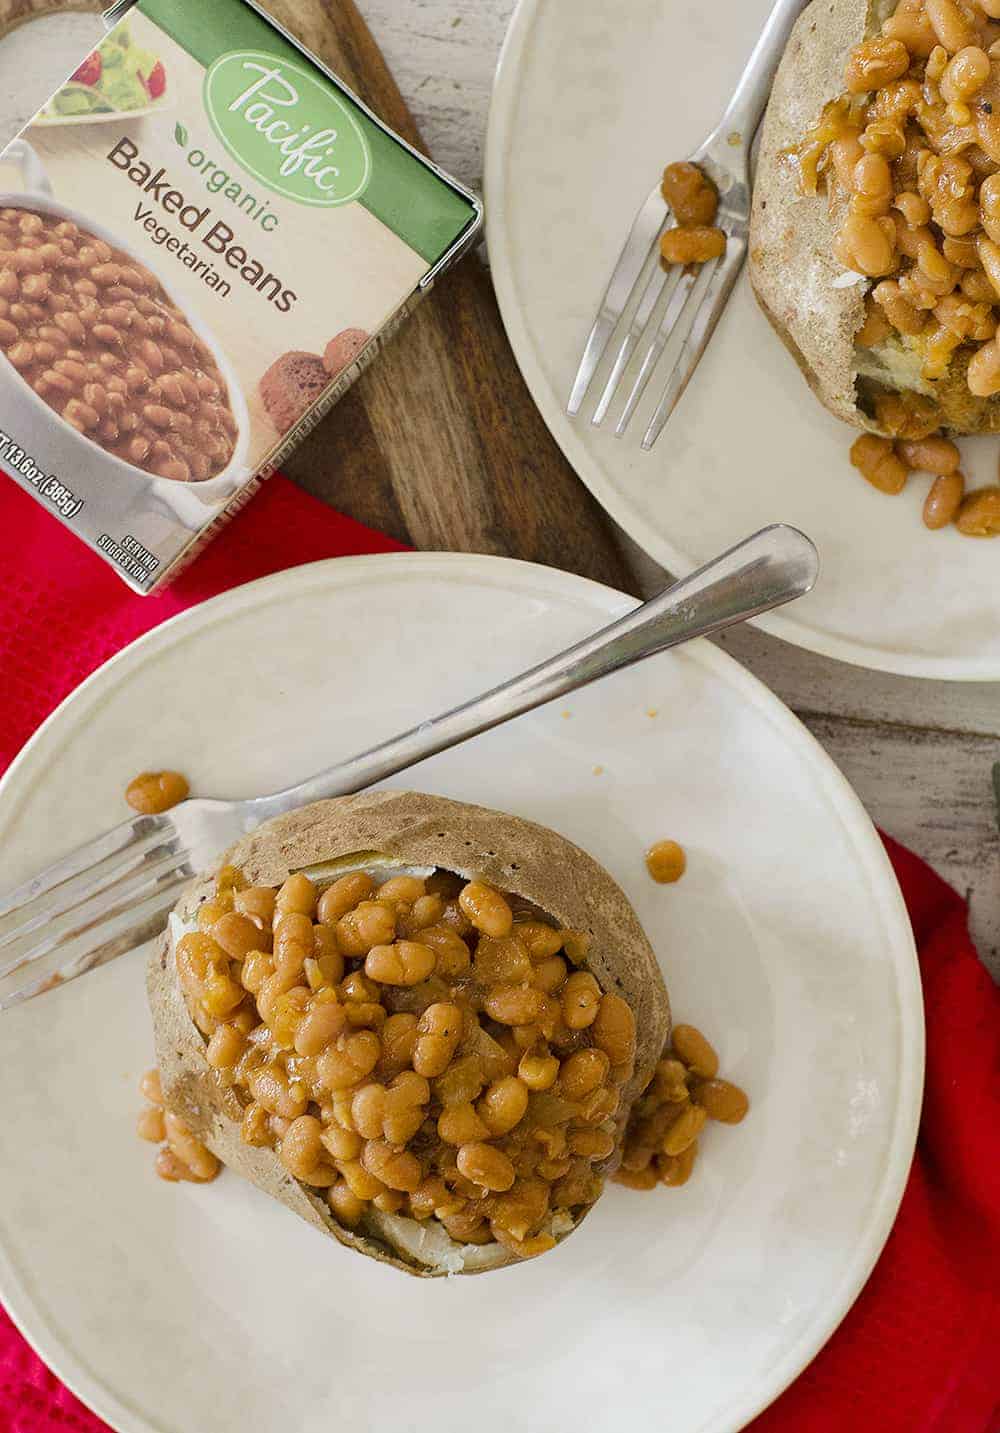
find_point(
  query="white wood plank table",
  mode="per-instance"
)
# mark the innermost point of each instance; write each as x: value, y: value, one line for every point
x: 920, y: 754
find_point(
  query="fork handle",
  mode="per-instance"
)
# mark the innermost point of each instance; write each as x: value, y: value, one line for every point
x: 761, y: 573
x: 746, y: 108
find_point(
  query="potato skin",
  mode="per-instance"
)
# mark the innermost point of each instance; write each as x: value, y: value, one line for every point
x: 515, y: 855
x: 791, y: 261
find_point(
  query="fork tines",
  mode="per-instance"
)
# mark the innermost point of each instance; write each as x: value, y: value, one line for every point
x: 101, y: 899
x: 664, y: 305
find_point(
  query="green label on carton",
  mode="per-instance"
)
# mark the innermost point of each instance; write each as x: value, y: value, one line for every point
x: 288, y: 127
x: 406, y: 195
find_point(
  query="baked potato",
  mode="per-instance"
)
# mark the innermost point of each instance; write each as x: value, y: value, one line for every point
x: 819, y: 306
x: 385, y: 833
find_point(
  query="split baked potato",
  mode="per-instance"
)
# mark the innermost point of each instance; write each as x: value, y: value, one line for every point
x: 927, y: 110
x: 561, y: 901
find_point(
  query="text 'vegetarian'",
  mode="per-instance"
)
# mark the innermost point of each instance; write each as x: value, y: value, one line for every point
x: 216, y: 236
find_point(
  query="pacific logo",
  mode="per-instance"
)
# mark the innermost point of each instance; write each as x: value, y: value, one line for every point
x: 288, y: 128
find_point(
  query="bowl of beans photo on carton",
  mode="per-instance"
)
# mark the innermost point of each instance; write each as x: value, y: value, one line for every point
x: 152, y: 389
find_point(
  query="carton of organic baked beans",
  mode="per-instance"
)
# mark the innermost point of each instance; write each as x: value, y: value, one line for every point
x: 203, y: 239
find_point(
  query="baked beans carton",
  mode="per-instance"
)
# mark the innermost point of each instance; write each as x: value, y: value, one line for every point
x: 204, y: 238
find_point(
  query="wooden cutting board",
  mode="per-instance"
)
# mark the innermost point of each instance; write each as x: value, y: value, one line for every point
x: 439, y: 443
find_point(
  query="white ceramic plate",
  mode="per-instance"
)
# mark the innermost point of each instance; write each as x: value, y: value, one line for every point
x: 180, y: 1309
x: 591, y: 101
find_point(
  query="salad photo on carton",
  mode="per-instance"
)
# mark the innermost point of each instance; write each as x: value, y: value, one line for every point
x: 118, y: 76
x: 187, y: 287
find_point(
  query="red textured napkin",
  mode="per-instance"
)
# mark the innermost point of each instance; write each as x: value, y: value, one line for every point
x: 918, y: 1353
x: 64, y: 611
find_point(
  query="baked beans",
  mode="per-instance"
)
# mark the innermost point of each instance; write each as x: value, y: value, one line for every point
x: 899, y: 312
x: 661, y: 1139
x: 930, y: 455
x: 486, y: 909
x: 910, y: 153
x: 694, y: 202
x: 876, y: 63
x: 875, y: 329
x: 180, y: 1156
x: 96, y: 336
x: 154, y: 791
x: 952, y: 24
x: 876, y: 460
x: 666, y: 862
x: 943, y: 501
x: 695, y: 1052
x: 483, y: 1089
x: 906, y: 415
x: 692, y: 197
x: 692, y: 246
x: 979, y: 513
x: 983, y: 373
x: 150, y: 1125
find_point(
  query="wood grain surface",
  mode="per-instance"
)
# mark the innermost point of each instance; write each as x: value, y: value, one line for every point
x: 440, y: 443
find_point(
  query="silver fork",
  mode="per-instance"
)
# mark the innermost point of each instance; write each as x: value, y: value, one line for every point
x: 111, y: 894
x: 694, y: 297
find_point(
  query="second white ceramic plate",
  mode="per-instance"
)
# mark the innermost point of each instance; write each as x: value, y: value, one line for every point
x: 178, y: 1309
x: 591, y: 101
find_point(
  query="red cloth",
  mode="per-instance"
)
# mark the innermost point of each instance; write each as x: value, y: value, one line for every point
x: 920, y: 1350
x: 918, y: 1353
x: 64, y: 610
